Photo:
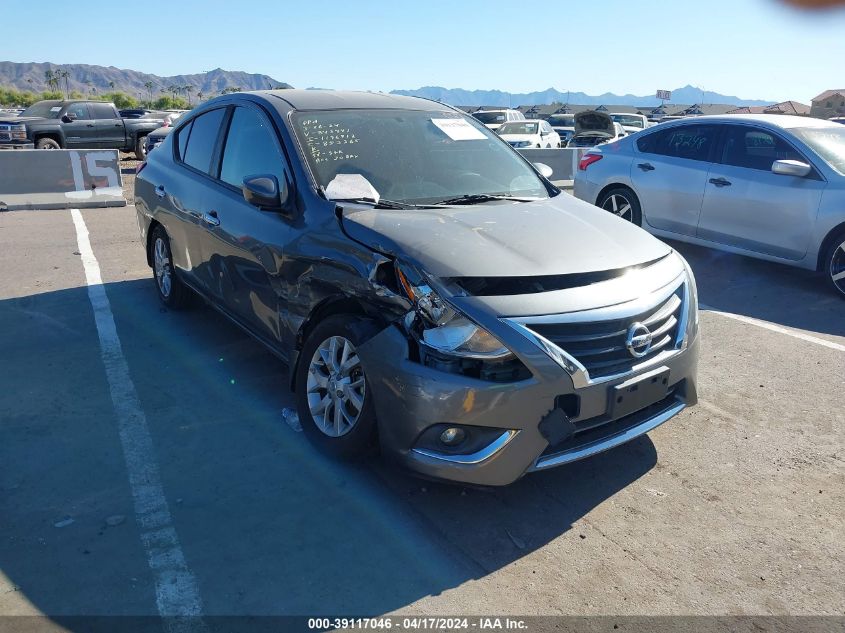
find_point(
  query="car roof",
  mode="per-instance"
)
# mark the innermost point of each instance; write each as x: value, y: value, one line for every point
x: 785, y: 121
x: 346, y: 99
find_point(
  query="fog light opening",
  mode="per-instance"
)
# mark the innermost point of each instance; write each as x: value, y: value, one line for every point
x: 453, y: 436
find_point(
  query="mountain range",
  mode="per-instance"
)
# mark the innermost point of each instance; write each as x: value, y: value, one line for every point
x: 457, y: 96
x: 89, y: 79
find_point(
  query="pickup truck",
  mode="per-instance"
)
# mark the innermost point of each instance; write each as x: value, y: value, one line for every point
x: 75, y: 124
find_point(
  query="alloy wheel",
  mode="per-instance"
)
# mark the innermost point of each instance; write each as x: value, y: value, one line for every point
x: 335, y: 386
x: 162, y: 266
x: 837, y: 268
x: 618, y: 205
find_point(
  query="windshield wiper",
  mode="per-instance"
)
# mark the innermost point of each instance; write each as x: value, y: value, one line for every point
x: 381, y: 203
x: 481, y: 197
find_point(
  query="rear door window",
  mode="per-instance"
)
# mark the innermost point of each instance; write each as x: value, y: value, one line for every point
x: 251, y: 149
x: 693, y: 142
x: 755, y: 148
x: 199, y: 148
x: 102, y: 111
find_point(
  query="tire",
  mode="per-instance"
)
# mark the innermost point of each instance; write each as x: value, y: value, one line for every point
x: 315, y: 378
x: 171, y: 291
x: 624, y: 203
x: 140, y: 148
x: 834, y: 264
x: 47, y: 143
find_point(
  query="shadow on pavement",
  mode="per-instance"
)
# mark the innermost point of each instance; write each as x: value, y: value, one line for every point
x: 267, y: 525
x: 777, y: 293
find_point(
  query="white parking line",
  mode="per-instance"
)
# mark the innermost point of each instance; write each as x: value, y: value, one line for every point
x: 775, y: 328
x: 176, y: 588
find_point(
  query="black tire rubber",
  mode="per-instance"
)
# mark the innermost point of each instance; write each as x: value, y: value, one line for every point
x: 361, y: 441
x: 140, y: 154
x: 827, y: 263
x: 180, y: 295
x: 47, y: 143
x: 636, y: 209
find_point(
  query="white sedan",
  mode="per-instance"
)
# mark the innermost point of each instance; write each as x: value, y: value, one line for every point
x: 523, y: 134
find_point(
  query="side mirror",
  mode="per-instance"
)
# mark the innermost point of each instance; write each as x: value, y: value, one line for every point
x: 545, y: 170
x: 68, y: 117
x: 790, y: 168
x: 263, y: 191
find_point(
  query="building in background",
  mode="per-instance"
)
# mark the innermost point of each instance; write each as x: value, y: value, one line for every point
x: 828, y: 104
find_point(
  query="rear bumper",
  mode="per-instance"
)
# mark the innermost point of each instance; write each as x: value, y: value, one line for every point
x: 410, y: 398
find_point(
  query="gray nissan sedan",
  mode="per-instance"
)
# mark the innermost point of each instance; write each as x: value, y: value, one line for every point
x: 433, y: 294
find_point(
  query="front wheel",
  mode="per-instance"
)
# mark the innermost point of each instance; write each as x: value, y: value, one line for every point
x: 623, y: 202
x: 333, y: 396
x: 141, y: 148
x: 834, y: 264
x: 47, y: 143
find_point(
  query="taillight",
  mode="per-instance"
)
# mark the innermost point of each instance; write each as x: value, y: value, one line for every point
x: 140, y: 167
x: 587, y: 160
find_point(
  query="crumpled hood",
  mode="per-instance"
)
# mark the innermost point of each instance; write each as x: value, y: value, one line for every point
x: 556, y: 236
x: 594, y: 121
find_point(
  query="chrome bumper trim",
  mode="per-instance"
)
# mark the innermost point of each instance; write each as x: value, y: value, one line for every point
x: 550, y: 461
x: 473, y: 458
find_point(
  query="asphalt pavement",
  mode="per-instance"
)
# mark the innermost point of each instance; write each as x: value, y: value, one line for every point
x: 734, y: 507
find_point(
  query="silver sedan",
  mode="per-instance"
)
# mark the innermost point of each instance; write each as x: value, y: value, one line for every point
x: 767, y: 186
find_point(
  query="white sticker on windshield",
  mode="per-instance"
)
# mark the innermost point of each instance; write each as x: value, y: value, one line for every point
x: 459, y: 129
x: 55, y: 108
x: 350, y: 186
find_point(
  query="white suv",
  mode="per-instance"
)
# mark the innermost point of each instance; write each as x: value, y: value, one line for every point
x: 495, y: 118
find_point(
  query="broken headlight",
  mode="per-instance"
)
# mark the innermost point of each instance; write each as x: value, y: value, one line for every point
x: 441, y: 328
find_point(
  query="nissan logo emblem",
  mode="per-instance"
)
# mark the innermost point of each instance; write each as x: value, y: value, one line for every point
x: 639, y: 340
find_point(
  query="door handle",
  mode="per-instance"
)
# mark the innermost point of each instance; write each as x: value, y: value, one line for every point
x: 646, y: 166
x: 720, y: 182
x: 118, y: 124
x: 160, y: 191
x: 211, y: 218
x: 89, y: 125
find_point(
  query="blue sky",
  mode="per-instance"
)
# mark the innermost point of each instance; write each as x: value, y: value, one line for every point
x: 748, y: 48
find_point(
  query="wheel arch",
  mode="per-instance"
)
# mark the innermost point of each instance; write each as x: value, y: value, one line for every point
x: 828, y: 240
x: 37, y: 136
x: 330, y: 306
x: 149, y: 248
x: 613, y: 185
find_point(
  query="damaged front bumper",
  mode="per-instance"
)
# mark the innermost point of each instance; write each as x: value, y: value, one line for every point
x: 410, y: 398
x: 590, y: 385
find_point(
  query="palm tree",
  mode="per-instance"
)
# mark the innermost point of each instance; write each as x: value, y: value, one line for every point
x: 200, y: 95
x: 64, y: 75
x: 50, y: 77
x: 88, y: 84
x: 188, y: 90
x: 111, y: 85
x: 149, y: 86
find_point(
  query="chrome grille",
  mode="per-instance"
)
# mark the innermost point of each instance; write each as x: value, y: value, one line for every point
x: 5, y: 136
x: 601, y: 346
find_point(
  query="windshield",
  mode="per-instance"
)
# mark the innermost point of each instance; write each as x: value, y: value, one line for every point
x: 490, y: 117
x: 410, y: 156
x: 627, y: 119
x: 562, y: 120
x: 518, y: 128
x: 829, y: 143
x: 43, y: 109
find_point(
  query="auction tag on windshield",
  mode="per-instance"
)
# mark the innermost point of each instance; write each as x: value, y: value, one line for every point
x: 55, y: 108
x: 459, y: 130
